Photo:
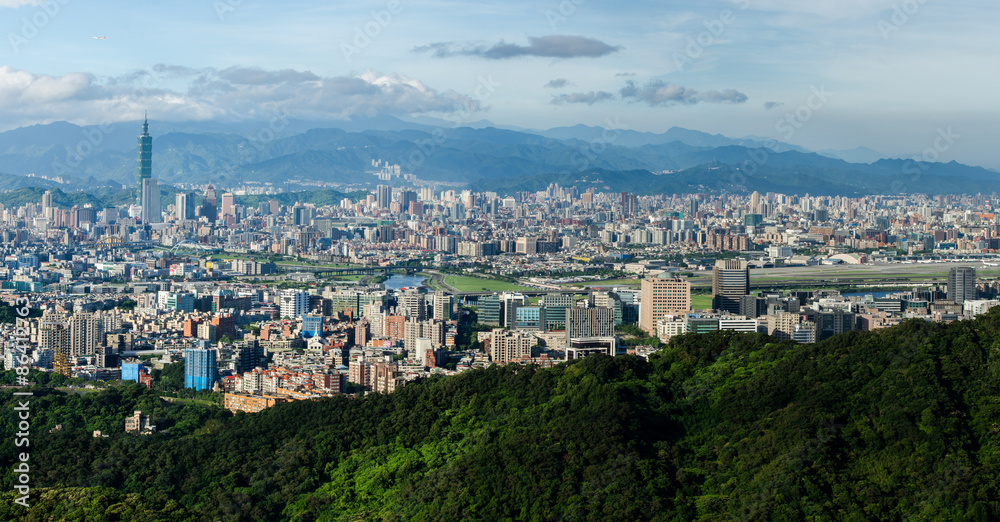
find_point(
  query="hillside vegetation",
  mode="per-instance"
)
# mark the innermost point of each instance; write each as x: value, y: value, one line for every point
x: 865, y: 426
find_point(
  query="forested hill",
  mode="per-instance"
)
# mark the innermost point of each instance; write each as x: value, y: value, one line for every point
x: 901, y: 424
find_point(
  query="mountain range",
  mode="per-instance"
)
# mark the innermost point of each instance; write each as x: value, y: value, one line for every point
x: 297, y: 153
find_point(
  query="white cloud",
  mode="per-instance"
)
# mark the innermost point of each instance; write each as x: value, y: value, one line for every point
x: 835, y: 9
x: 18, y: 3
x: 181, y: 93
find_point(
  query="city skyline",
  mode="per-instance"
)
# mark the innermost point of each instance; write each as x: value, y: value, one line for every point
x: 823, y: 76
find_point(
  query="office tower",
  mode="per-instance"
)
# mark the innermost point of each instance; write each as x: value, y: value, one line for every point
x: 442, y: 306
x: 208, y: 208
x: 302, y: 215
x: 692, y: 208
x: 730, y: 282
x: 184, y: 206
x: 755, y: 202
x: 151, y: 206
x: 293, y: 303
x: 585, y: 323
x: 962, y: 284
x: 488, y: 310
x: 86, y: 333
x: 383, y: 196
x: 46, y: 201
x: 201, y: 368
x: 145, y: 154
x: 228, y: 204
x: 406, y: 198
x: 660, y: 296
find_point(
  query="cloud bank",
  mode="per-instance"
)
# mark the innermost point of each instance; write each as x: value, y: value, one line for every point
x: 589, y: 98
x: 552, y: 46
x: 657, y: 93
x: 182, y: 93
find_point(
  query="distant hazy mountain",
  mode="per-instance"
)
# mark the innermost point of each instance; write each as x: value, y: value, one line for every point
x: 856, y: 155
x: 287, y: 152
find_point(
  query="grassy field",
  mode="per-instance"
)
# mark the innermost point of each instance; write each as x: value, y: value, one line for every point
x: 201, y: 402
x: 78, y: 391
x: 701, y: 302
x: 356, y: 277
x: 477, y: 284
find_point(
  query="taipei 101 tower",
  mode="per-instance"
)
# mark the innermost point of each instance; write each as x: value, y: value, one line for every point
x: 149, y: 189
x: 145, y: 157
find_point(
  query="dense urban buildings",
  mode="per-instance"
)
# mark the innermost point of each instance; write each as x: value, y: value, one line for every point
x: 270, y: 299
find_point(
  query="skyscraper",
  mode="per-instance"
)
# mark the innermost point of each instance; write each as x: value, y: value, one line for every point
x: 151, y: 206
x: 383, y: 196
x: 662, y: 295
x: 208, y: 209
x: 201, y: 368
x: 145, y: 154
x: 184, y: 205
x: 228, y: 204
x: 961, y: 284
x: 730, y: 282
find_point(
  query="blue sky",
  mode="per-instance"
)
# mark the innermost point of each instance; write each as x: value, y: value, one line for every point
x: 893, y: 74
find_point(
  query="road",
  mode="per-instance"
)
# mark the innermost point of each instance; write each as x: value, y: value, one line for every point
x: 826, y: 275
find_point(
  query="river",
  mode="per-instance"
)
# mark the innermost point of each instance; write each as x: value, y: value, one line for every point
x: 396, y: 282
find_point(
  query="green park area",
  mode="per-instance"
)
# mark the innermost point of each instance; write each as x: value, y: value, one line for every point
x: 701, y: 302
x: 479, y: 284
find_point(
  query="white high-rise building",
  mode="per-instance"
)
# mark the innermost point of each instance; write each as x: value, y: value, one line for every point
x: 293, y: 303
x: 151, y: 208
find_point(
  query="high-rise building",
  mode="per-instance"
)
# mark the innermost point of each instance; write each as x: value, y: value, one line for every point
x: 208, y: 209
x: 293, y: 303
x: 86, y: 333
x: 507, y: 346
x: 228, y: 204
x: 662, y: 295
x: 145, y: 153
x: 46, y: 201
x: 248, y: 355
x: 961, y: 284
x: 383, y: 196
x: 201, y: 368
x: 442, y: 306
x: 755, y: 201
x: 413, y: 304
x: 184, y: 205
x: 596, y: 321
x: 782, y: 325
x: 151, y: 206
x: 53, y: 335
x: 730, y: 282
x: 312, y: 325
x: 406, y: 198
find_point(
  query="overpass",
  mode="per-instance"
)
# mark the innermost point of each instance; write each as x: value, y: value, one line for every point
x: 327, y: 272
